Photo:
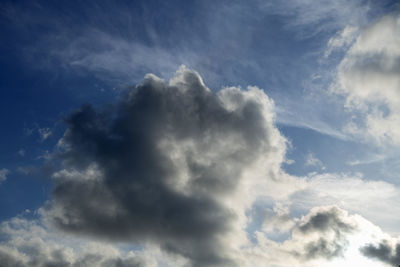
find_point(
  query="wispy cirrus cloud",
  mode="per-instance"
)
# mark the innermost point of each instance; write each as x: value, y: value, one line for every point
x: 323, y: 16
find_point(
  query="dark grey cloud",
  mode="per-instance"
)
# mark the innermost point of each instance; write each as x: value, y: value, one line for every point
x: 328, y: 228
x: 383, y: 251
x: 157, y: 165
x: 326, y: 220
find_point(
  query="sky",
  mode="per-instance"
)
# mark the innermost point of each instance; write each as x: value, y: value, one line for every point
x: 200, y: 133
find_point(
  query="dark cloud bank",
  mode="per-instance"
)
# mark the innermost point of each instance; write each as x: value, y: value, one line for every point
x: 156, y: 165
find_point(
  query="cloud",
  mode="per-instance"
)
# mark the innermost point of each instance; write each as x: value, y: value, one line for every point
x: 28, y: 243
x: 341, y: 40
x: 172, y: 164
x: 278, y: 220
x: 322, y: 15
x: 3, y: 174
x: 177, y: 167
x: 21, y: 152
x: 369, y: 159
x: 369, y: 76
x: 44, y: 133
x: 323, y: 219
x: 325, y: 236
x: 116, y: 58
x: 324, y: 233
x: 352, y: 193
x: 311, y: 160
x: 385, y: 251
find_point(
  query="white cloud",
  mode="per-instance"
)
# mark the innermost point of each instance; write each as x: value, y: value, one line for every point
x: 278, y: 220
x: 369, y: 76
x: 21, y: 152
x: 368, y: 159
x: 375, y: 200
x: 325, y: 237
x: 289, y: 161
x: 371, y: 203
x: 3, y: 174
x: 44, y: 133
x: 341, y: 40
x: 323, y: 15
x: 115, y: 59
x: 29, y: 243
x: 311, y: 160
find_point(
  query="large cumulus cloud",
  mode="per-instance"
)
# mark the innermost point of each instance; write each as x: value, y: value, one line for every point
x: 171, y: 163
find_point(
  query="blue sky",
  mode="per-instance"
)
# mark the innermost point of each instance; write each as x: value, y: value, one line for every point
x: 319, y: 80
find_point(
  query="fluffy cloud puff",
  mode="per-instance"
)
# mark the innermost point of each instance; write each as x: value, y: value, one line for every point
x: 27, y: 243
x: 370, y: 77
x: 169, y: 164
x: 323, y: 233
x: 3, y: 174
